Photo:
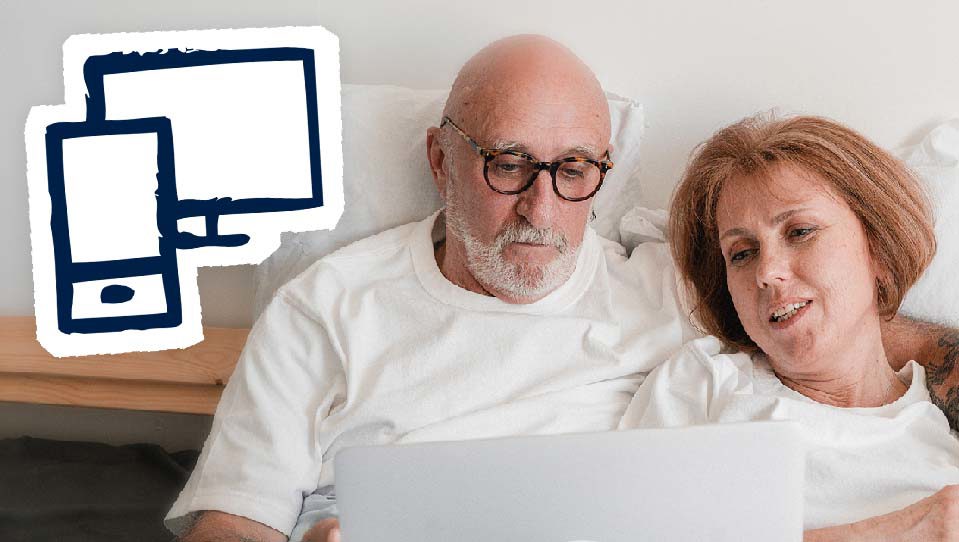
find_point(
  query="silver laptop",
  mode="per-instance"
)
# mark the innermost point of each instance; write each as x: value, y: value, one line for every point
x: 732, y: 482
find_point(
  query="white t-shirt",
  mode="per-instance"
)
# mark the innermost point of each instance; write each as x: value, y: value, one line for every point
x: 860, y: 463
x: 372, y: 345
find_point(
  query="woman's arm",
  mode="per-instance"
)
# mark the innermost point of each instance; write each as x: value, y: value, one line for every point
x: 934, y: 347
x: 933, y: 519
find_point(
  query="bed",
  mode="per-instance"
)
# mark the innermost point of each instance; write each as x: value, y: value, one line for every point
x: 187, y: 381
x: 87, y: 491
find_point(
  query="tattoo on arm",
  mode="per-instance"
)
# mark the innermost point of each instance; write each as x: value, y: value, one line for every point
x: 942, y: 378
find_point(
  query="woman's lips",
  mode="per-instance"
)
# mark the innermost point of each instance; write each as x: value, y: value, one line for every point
x: 788, y: 322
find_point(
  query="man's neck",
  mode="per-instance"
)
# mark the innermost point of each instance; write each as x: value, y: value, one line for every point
x: 451, y: 259
x: 458, y: 275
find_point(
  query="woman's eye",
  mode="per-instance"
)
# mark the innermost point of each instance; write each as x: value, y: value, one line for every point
x: 798, y: 233
x: 740, y: 256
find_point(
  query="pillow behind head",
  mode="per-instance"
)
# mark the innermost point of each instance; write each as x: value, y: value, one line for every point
x: 935, y: 297
x: 387, y: 181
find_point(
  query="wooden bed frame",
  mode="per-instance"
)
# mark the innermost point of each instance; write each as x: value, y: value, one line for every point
x: 189, y: 380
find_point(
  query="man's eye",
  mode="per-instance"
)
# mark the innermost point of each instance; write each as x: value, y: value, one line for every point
x: 571, y: 173
x: 506, y: 167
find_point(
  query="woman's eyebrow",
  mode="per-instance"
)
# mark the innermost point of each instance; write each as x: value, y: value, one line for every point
x: 734, y: 232
x: 782, y: 217
x: 778, y: 219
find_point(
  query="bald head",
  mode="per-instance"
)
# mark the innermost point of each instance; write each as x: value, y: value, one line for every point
x: 518, y: 70
x: 532, y: 96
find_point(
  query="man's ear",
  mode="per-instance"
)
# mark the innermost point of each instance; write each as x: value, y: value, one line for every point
x: 436, y: 156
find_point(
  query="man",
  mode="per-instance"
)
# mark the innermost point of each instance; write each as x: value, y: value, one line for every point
x: 503, y: 315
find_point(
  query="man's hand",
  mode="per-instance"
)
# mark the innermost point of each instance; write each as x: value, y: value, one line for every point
x: 215, y: 526
x: 933, y: 519
x: 327, y: 530
x: 934, y: 347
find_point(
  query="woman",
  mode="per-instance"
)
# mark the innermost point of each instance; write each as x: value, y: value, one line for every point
x: 796, y: 238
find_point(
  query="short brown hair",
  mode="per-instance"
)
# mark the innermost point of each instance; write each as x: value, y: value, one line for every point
x: 883, y: 194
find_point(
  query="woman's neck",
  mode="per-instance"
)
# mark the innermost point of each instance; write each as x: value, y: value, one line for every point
x: 859, y: 376
x: 882, y: 388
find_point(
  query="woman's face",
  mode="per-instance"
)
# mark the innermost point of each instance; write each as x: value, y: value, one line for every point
x: 798, y: 267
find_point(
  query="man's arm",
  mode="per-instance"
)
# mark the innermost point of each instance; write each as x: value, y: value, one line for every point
x: 261, y: 456
x: 934, y: 347
x: 326, y: 530
x: 215, y: 526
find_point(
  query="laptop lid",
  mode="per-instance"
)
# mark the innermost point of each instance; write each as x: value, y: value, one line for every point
x: 729, y: 482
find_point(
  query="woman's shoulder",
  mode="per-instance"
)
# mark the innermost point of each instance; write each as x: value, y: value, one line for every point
x: 686, y: 389
x: 706, y: 362
x: 712, y: 355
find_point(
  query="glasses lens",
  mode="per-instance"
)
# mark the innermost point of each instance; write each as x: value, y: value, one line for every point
x: 577, y: 179
x: 509, y: 172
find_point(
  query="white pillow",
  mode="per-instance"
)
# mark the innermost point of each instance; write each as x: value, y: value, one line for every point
x: 386, y: 180
x: 935, y: 297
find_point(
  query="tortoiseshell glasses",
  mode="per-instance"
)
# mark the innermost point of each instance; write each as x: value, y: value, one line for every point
x: 510, y: 172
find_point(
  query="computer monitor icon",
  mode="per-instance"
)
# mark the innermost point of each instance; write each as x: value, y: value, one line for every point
x: 227, y: 163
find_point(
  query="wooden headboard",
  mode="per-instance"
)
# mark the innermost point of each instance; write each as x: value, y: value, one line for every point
x: 188, y: 380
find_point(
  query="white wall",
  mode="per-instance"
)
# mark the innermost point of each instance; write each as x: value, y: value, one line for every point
x: 889, y: 69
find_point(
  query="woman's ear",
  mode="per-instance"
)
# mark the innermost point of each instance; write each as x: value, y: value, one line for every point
x: 884, y: 287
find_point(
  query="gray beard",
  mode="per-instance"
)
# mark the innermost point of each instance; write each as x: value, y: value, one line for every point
x: 488, y: 266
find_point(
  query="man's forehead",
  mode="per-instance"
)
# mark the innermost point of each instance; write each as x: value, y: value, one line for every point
x: 526, y: 131
x: 588, y: 151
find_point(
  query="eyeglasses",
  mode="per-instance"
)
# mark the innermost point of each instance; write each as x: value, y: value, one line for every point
x: 511, y: 172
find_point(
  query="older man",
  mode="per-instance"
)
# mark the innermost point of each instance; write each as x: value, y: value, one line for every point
x: 503, y: 315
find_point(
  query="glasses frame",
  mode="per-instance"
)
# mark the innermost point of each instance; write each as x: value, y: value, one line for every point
x: 489, y: 154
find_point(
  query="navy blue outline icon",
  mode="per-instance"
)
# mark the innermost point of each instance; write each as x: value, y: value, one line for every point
x: 173, y: 151
x: 68, y: 272
x: 170, y: 209
x: 96, y: 67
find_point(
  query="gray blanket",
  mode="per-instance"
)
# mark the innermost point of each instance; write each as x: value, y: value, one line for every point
x: 54, y: 491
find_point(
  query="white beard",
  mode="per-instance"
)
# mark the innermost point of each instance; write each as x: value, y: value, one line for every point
x: 488, y: 266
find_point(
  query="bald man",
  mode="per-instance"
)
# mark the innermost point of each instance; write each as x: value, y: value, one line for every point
x: 504, y: 314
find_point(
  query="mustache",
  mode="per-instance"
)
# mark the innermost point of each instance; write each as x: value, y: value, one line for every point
x: 527, y: 233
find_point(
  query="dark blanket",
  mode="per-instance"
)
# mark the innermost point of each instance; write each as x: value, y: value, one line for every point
x: 55, y: 491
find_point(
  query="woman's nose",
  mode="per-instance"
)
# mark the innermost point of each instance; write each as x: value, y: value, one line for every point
x: 774, y: 267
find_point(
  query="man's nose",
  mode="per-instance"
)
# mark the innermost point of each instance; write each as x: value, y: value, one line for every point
x: 774, y: 267
x: 536, y: 204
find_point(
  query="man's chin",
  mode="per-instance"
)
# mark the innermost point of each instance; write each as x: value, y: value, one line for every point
x: 533, y: 280
x: 533, y: 256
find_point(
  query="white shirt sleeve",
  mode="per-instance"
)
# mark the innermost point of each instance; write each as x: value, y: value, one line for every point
x: 262, y: 455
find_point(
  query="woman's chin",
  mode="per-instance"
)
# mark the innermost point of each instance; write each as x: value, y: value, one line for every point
x: 792, y: 345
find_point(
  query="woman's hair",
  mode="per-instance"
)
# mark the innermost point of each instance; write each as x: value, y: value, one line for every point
x: 882, y: 193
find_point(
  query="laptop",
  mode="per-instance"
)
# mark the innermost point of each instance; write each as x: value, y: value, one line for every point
x: 727, y: 482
